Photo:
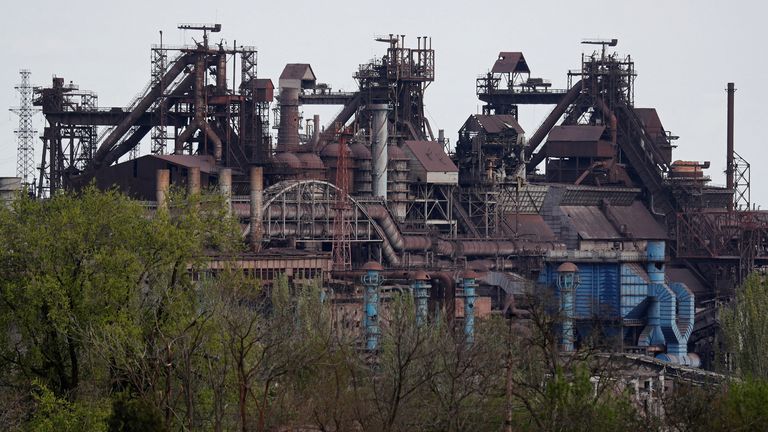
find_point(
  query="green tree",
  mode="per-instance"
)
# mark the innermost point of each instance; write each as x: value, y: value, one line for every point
x: 745, y: 326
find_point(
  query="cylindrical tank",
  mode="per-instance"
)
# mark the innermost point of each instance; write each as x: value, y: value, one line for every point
x: 362, y: 174
x: 311, y: 166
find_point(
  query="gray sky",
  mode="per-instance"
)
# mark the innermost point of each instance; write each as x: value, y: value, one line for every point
x: 685, y: 52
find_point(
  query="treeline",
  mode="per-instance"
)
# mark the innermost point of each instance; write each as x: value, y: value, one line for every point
x: 109, y: 322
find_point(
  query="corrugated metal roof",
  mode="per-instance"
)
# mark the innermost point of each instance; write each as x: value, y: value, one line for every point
x: 205, y: 163
x: 529, y: 227
x: 576, y: 133
x: 634, y: 221
x: 639, y: 221
x: 510, y: 62
x: 431, y: 156
x: 495, y: 123
x: 590, y: 223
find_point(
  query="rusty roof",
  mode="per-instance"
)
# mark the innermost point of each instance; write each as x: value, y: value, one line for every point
x: 510, y: 62
x: 615, y: 222
x: 581, y: 133
x: 260, y: 83
x: 529, y: 227
x: 590, y: 223
x: 639, y: 221
x: 495, y: 123
x: 205, y: 163
x: 300, y: 71
x: 431, y: 156
x: 650, y: 118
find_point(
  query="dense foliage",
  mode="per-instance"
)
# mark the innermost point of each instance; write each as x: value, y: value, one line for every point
x: 111, y: 320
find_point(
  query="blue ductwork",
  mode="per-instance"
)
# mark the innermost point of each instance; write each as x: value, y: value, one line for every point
x: 639, y: 295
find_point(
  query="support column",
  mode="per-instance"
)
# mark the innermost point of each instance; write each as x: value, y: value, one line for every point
x: 257, y: 190
x: 193, y: 181
x: 163, y: 183
x: 225, y: 186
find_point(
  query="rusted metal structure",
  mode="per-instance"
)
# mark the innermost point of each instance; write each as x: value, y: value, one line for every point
x: 595, y: 184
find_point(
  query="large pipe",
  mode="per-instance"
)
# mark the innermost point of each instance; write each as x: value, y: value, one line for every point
x: 548, y: 124
x: 379, y: 155
x: 729, y: 171
x: 288, y: 131
x: 257, y: 189
x: 399, y: 242
x: 162, y: 183
x: 141, y: 107
x: 225, y: 187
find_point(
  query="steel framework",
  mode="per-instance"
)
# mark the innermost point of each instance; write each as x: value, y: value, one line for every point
x: 25, y: 134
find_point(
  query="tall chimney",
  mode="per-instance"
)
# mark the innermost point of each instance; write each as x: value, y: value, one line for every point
x: 379, y: 154
x: 729, y: 147
x: 288, y: 132
x: 257, y: 190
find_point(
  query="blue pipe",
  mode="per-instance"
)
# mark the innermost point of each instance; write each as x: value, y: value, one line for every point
x: 371, y: 280
x: 469, y: 285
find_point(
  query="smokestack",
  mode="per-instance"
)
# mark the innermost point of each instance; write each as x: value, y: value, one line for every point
x: 379, y: 154
x: 221, y: 74
x: 257, y: 188
x: 225, y: 186
x: 316, y: 130
x: 729, y: 146
x: 288, y: 132
x: 193, y: 181
x: 441, y: 137
x: 163, y: 183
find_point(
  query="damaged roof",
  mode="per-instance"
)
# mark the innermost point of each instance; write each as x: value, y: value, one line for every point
x: 494, y: 123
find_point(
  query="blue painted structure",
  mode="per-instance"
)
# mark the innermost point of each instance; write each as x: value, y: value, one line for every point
x: 421, y: 296
x: 371, y: 282
x: 469, y: 284
x: 637, y: 295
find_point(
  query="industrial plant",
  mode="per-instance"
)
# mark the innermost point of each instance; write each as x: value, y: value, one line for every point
x: 590, y: 206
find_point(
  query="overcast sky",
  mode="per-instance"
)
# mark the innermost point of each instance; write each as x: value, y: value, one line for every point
x: 685, y: 53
